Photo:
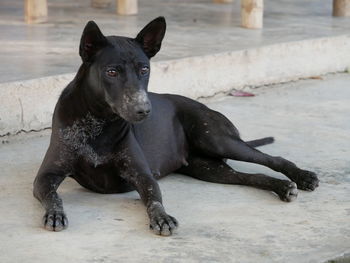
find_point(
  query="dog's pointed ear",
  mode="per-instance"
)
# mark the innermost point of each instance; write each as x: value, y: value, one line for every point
x: 151, y: 36
x: 92, y: 40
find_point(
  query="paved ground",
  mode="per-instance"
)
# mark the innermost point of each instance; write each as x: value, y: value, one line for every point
x: 219, y: 223
x: 195, y: 28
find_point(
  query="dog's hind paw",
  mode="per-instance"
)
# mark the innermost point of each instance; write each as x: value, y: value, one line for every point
x: 288, y: 192
x: 306, y: 180
x: 55, y: 221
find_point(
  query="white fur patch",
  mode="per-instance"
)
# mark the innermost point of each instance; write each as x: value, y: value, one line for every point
x: 74, y: 140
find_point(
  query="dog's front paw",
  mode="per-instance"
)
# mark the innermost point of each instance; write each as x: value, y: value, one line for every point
x: 163, y: 225
x: 306, y: 180
x: 288, y: 191
x: 55, y: 220
x: 160, y: 222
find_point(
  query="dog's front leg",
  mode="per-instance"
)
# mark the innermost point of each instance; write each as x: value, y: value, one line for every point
x: 48, y: 179
x: 45, y: 186
x: 160, y: 222
x: 136, y: 171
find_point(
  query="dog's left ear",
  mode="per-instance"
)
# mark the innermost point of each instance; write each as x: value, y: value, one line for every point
x: 151, y: 36
x: 92, y: 40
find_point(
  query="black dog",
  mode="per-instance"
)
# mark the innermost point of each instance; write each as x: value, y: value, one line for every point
x: 98, y: 138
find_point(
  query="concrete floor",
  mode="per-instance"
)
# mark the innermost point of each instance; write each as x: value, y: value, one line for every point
x: 195, y: 28
x: 218, y: 223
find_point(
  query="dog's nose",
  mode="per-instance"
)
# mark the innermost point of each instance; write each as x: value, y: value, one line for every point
x: 144, y: 110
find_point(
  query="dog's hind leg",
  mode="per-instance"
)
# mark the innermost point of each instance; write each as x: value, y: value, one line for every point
x: 212, y: 134
x: 236, y: 149
x: 217, y: 171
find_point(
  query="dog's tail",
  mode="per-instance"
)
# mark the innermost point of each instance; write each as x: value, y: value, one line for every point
x: 260, y: 142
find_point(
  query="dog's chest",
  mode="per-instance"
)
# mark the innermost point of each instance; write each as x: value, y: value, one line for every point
x: 84, y: 139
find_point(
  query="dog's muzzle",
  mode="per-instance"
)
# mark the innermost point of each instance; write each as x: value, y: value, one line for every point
x: 134, y: 107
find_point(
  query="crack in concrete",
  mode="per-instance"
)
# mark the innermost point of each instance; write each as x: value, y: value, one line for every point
x: 24, y: 131
x: 252, y: 87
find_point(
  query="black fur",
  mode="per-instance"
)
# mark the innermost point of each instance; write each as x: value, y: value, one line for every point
x: 112, y: 136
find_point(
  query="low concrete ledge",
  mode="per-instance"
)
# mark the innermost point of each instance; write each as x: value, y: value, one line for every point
x: 28, y: 105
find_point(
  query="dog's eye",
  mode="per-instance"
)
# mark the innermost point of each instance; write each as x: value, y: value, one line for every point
x: 144, y: 70
x: 112, y: 73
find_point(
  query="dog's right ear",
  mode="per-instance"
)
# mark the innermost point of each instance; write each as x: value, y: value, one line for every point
x: 92, y: 40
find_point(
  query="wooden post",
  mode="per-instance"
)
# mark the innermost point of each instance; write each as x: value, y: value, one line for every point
x: 127, y: 7
x: 100, y: 3
x: 252, y: 13
x: 341, y: 7
x: 222, y: 1
x: 35, y: 11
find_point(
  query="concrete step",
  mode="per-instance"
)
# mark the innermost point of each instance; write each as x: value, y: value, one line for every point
x: 28, y: 105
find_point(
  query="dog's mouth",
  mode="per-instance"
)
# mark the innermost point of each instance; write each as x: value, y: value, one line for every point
x: 127, y: 115
x: 134, y: 119
x: 138, y: 119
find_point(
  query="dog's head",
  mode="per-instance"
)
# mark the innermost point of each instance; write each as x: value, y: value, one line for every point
x: 119, y: 67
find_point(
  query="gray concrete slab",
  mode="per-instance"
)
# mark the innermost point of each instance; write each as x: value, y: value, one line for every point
x: 195, y: 28
x: 218, y: 223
